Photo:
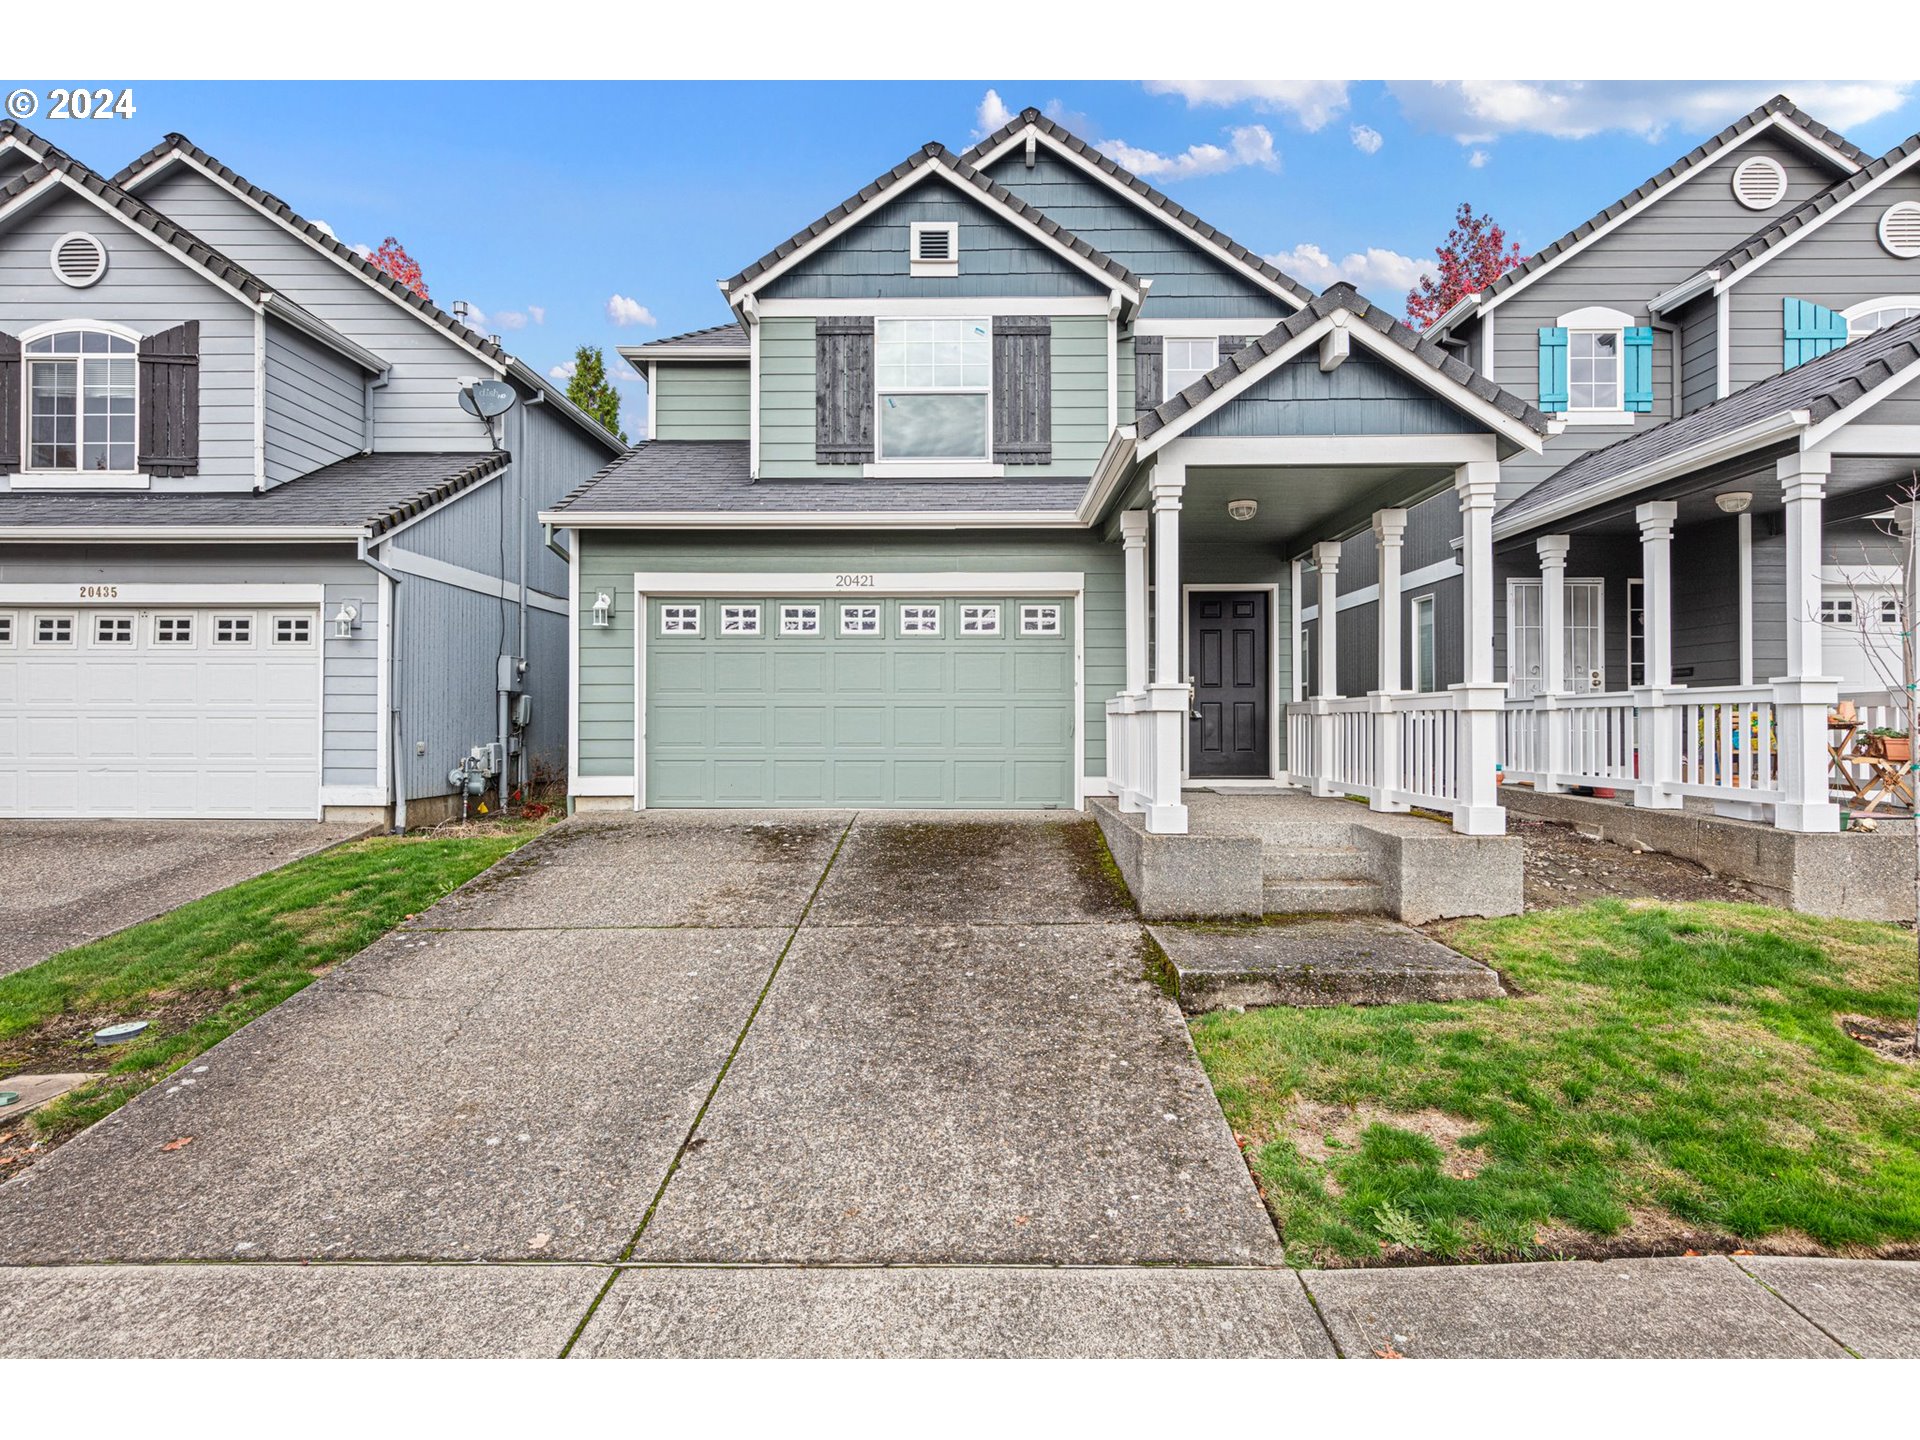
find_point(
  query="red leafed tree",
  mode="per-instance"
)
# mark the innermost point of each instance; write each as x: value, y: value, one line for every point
x: 392, y: 258
x: 1476, y: 254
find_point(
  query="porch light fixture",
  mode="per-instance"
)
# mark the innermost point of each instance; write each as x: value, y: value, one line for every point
x: 603, y: 609
x: 1734, y: 502
x: 1243, y: 509
x: 346, y: 620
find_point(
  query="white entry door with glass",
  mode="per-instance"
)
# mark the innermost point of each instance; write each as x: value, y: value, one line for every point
x: 1583, y: 639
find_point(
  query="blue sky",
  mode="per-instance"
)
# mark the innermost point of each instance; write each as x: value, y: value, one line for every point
x: 540, y: 203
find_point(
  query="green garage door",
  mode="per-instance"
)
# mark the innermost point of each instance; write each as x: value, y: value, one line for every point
x: 923, y: 702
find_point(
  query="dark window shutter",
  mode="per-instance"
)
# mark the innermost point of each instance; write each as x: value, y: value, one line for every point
x: 1023, y: 390
x: 12, y: 399
x: 843, y: 389
x: 1232, y: 345
x: 1149, y: 371
x: 170, y: 401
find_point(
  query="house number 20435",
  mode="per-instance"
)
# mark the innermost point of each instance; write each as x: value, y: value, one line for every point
x: 853, y: 582
x: 99, y: 592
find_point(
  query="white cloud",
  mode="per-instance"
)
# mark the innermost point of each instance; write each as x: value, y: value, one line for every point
x: 511, y: 320
x: 1478, y: 159
x: 623, y: 311
x: 1477, y: 111
x: 1384, y: 275
x: 563, y: 372
x: 1247, y: 145
x: 1366, y: 139
x: 475, y: 319
x: 538, y: 313
x: 990, y: 115
x: 625, y: 374
x: 1311, y: 102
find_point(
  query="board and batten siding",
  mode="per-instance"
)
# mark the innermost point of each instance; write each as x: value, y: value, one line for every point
x: 787, y: 398
x: 610, y: 559
x: 419, y: 406
x: 700, y: 402
x: 1838, y: 265
x: 871, y: 259
x: 148, y: 288
x: 1188, y: 282
x: 349, y: 716
x: 316, y: 405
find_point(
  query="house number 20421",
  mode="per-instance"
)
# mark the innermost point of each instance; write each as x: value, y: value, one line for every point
x: 853, y: 582
x: 99, y: 592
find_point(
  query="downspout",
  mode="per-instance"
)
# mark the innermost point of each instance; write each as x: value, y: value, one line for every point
x: 573, y: 620
x: 397, y: 737
x: 518, y: 459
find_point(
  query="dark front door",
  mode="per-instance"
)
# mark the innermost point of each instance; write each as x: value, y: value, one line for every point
x: 1227, y: 655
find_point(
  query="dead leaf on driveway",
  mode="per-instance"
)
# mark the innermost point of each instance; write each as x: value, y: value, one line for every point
x: 1387, y: 1352
x: 180, y: 1144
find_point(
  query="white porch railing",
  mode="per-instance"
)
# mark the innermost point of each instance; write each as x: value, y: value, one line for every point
x: 1395, y: 751
x: 1130, y: 752
x: 1560, y: 740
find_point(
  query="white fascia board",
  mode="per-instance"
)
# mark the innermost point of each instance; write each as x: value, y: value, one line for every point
x: 1858, y: 439
x: 1840, y: 418
x: 1251, y: 326
x: 308, y: 324
x: 875, y: 583
x: 1740, y: 272
x: 639, y: 355
x: 1769, y: 430
x: 886, y: 307
x: 1018, y: 141
x: 1455, y: 394
x: 930, y: 170
x: 1680, y: 294
x: 1632, y: 212
x: 1454, y: 313
x: 818, y: 520
x: 48, y: 185
x: 177, y: 157
x: 1110, y: 475
x: 134, y: 534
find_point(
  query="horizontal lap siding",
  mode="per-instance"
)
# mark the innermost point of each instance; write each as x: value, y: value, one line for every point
x: 316, y: 406
x: 1188, y: 282
x: 447, y: 677
x: 609, y: 561
x: 147, y: 288
x: 1699, y: 354
x: 419, y: 407
x: 700, y: 402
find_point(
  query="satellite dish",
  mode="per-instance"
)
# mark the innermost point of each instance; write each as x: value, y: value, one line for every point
x: 487, y: 398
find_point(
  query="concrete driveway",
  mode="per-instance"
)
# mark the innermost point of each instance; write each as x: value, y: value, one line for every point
x: 65, y: 882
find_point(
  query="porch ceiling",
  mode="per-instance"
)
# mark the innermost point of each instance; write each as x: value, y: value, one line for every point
x: 1298, y: 505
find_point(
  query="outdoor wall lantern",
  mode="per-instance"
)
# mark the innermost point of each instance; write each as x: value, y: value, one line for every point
x: 1734, y: 502
x: 1243, y: 509
x: 346, y: 620
x: 603, y: 609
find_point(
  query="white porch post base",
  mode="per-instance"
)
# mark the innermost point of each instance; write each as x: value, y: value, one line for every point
x: 1386, y: 755
x: 1801, y: 708
x: 1166, y: 707
x: 1479, y: 707
x: 1657, y: 736
x: 1324, y: 741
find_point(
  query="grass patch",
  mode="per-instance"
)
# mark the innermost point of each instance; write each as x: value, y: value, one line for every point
x: 202, y: 971
x: 1665, y: 1075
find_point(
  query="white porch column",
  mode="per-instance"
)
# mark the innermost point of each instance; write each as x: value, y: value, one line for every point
x: 1133, y: 543
x: 1168, y: 698
x: 1389, y: 531
x: 1659, y: 714
x: 1804, y: 696
x: 1555, y: 721
x: 1478, y: 700
x: 1326, y: 561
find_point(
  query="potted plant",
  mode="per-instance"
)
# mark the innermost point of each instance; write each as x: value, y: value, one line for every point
x: 1890, y: 744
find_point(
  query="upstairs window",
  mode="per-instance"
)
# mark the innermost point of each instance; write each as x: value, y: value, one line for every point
x: 1596, y: 367
x: 932, y: 380
x: 1189, y: 360
x: 1872, y: 315
x: 1593, y: 369
x: 81, y: 402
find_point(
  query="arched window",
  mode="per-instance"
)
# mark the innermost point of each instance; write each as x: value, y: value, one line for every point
x: 1872, y: 315
x: 82, y: 398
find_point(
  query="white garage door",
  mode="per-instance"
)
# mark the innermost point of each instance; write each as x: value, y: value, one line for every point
x: 164, y: 712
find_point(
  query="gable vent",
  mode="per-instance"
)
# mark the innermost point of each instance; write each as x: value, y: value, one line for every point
x: 934, y: 249
x: 79, y: 259
x: 934, y: 245
x: 1900, y: 229
x: 1759, y: 183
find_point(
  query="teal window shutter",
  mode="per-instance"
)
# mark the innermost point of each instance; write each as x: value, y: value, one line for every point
x: 1639, y: 367
x: 1809, y: 331
x: 1553, y: 368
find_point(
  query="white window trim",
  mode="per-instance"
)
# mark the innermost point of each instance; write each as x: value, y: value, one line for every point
x: 930, y: 612
x: 72, y: 617
x: 1869, y: 307
x: 25, y: 477
x: 1034, y: 609
x: 192, y: 642
x: 933, y: 466
x: 1514, y: 584
x: 131, y: 631
x: 252, y: 627
x: 800, y: 613
x: 273, y: 632
x: 1598, y: 318
x: 1413, y: 641
x: 686, y: 612
x: 748, y: 614
x: 9, y: 629
x: 1167, y: 388
x: 987, y: 612
x: 920, y: 269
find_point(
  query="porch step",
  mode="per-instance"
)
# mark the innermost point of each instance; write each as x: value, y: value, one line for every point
x: 1323, y: 897
x: 1281, y: 863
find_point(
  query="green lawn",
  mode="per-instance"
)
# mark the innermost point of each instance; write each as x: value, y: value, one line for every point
x: 1664, y: 1073
x: 202, y: 971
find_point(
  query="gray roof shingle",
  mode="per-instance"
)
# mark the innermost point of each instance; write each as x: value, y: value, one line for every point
x: 1341, y: 296
x: 964, y: 174
x: 1125, y: 178
x: 731, y: 336
x: 700, y: 476
x: 1821, y: 387
x: 366, y: 493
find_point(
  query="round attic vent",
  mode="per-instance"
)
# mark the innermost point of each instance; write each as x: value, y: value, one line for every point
x: 79, y: 259
x: 1759, y: 183
x: 1900, y: 229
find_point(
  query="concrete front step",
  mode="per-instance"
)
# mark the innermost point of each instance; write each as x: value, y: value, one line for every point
x: 1281, y: 863
x: 1323, y: 897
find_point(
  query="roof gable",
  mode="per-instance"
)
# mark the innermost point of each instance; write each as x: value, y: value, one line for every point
x: 1032, y: 124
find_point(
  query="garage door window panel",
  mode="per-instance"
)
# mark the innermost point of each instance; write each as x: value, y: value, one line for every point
x: 233, y: 631
x: 739, y: 619
x: 53, y: 630
x: 679, y: 619
x: 113, y: 630
x: 799, y: 619
x: 1039, y: 619
x: 859, y: 619
x: 979, y: 619
x: 919, y: 619
x: 173, y: 631
x: 293, y: 632
x: 6, y: 631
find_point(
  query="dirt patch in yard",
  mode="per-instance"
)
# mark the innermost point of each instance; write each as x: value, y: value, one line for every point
x: 66, y: 1043
x: 1889, y: 1039
x: 1321, y: 1132
x: 1564, y: 867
